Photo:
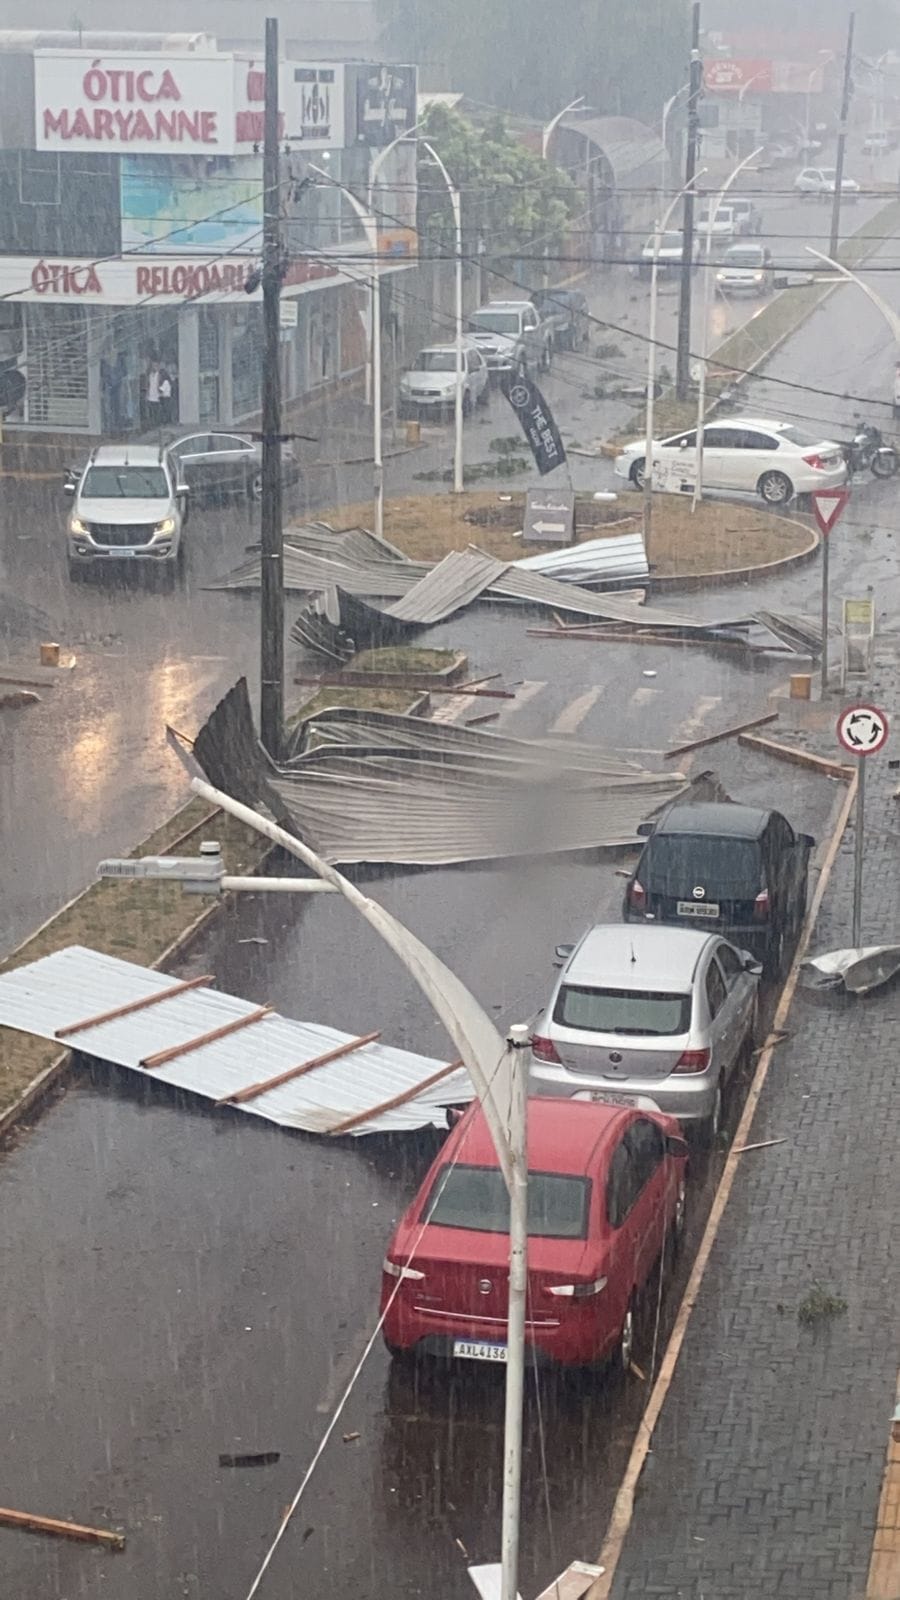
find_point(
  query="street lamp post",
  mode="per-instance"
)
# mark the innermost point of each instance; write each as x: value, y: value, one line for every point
x: 664, y: 169
x: 456, y: 206
x: 549, y: 127
x: 498, y: 1072
x: 713, y: 211
x: 370, y: 225
x: 741, y: 92
x: 377, y: 164
x: 659, y: 230
x: 828, y: 55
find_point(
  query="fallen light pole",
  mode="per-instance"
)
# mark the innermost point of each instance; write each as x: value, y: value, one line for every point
x: 497, y: 1069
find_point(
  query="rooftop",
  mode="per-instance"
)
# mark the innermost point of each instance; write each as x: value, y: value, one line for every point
x: 718, y: 820
x: 635, y: 955
x: 562, y: 1135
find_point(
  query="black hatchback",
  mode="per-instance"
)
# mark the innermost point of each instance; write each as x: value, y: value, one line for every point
x: 733, y: 869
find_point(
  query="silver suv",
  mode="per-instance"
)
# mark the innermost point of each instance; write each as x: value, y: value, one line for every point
x: 646, y: 1010
x: 126, y: 508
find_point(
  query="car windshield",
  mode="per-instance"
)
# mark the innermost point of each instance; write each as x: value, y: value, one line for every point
x: 637, y: 1011
x: 799, y: 436
x: 667, y: 241
x: 477, y: 1198
x: 125, y: 483
x: 435, y: 361
x: 674, y: 864
x: 748, y: 256
x: 830, y: 173
x: 495, y: 322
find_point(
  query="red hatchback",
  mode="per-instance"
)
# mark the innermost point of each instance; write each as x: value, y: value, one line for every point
x: 606, y: 1184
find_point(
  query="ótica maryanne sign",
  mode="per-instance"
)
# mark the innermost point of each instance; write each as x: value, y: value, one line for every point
x: 181, y: 104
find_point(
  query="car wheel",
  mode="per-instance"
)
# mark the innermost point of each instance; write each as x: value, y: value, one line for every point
x: 709, y: 1127
x: 467, y: 404
x: 775, y: 489
x: 399, y: 1354
x: 679, y: 1220
x: 256, y: 487
x: 76, y: 570
x: 773, y: 961
x: 625, y: 1346
x: 485, y: 395
x: 636, y: 475
x: 547, y: 358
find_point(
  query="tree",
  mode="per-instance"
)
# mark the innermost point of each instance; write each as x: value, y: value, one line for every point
x: 532, y: 56
x: 510, y: 197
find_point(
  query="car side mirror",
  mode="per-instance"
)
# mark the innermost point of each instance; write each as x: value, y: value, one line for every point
x: 183, y: 491
x: 753, y: 966
x: 562, y: 953
x: 807, y: 839
x: 455, y: 1114
x: 69, y: 485
x: 682, y: 444
x: 645, y: 830
x: 676, y: 1146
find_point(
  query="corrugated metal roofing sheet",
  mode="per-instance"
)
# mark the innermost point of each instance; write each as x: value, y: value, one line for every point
x: 76, y: 984
x: 594, y: 560
x: 460, y: 578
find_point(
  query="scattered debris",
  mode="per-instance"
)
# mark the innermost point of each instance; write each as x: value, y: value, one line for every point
x: 486, y: 716
x: 348, y: 1438
x: 592, y: 561
x: 460, y: 1546
x: 357, y: 1086
x: 722, y: 733
x: 376, y: 787
x: 15, y: 699
x: 761, y: 1144
x: 773, y: 1039
x: 820, y: 1305
x: 797, y: 757
x: 29, y: 1522
x: 854, y: 971
x: 633, y: 1367
x: 253, y: 1458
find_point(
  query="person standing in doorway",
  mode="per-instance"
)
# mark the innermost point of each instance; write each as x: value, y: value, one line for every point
x: 165, y: 396
x: 154, y: 399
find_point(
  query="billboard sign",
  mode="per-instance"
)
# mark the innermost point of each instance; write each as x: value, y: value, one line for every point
x: 206, y: 206
x: 385, y: 104
x: 732, y: 74
x: 310, y: 103
x: 155, y: 104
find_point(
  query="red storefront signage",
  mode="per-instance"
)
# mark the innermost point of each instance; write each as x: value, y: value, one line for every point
x: 133, y: 103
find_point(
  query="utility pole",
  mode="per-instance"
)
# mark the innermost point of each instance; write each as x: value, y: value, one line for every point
x: 842, y: 141
x: 683, y: 356
x: 271, y: 616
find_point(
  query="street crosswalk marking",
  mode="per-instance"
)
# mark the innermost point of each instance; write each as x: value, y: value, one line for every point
x: 526, y: 691
x: 453, y: 707
x: 692, y: 727
x: 573, y: 715
x: 643, y: 695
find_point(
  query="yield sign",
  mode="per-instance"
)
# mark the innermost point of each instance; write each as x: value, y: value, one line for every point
x: 828, y: 506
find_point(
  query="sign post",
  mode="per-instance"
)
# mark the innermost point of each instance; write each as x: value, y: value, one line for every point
x: 549, y: 516
x: 858, y: 639
x: 863, y: 731
x: 828, y: 506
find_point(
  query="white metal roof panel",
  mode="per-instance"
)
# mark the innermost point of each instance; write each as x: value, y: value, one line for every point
x: 75, y: 984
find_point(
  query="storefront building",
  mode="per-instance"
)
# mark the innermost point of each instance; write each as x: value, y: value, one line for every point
x: 131, y: 222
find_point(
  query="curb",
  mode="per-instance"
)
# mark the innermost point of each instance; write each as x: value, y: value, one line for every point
x: 722, y: 576
x: 623, y: 1508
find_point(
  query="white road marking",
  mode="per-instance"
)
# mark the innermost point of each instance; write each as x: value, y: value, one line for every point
x: 525, y: 692
x: 453, y: 706
x: 573, y: 715
x: 692, y: 728
x: 643, y: 695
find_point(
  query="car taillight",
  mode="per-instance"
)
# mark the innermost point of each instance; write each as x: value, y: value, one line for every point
x: 394, y: 1269
x: 577, y: 1291
x: 817, y: 462
x: 544, y: 1050
x: 761, y: 907
x: 692, y: 1061
x: 637, y: 897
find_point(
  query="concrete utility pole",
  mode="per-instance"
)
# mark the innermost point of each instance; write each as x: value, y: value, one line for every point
x: 842, y: 141
x: 271, y: 614
x: 683, y: 356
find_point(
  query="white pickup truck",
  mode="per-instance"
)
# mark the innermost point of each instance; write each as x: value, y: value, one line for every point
x: 511, y: 336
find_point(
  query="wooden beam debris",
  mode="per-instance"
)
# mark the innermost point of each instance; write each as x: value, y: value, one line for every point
x: 723, y: 733
x: 796, y: 756
x: 133, y: 1005
x: 372, y: 680
x: 176, y: 1050
x: 253, y: 1089
x: 30, y: 1522
x: 398, y: 1100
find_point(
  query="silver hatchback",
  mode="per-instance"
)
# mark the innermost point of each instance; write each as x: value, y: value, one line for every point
x: 648, y: 1010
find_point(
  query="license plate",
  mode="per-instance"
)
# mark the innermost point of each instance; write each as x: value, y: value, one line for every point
x: 475, y: 1350
x: 126, y: 552
x: 697, y: 908
x: 606, y: 1097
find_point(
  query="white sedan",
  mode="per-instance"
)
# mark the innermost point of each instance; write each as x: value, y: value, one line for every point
x: 823, y: 181
x: 775, y: 460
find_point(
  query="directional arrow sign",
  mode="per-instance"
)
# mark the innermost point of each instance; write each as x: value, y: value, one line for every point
x: 828, y: 506
x: 549, y: 527
x: 862, y: 730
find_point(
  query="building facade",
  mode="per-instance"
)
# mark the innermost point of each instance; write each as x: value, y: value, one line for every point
x: 131, y: 215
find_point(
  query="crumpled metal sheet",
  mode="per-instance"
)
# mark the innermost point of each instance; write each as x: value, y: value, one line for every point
x: 75, y: 984
x: 801, y: 634
x: 592, y: 560
x: 431, y: 795
x: 855, y: 971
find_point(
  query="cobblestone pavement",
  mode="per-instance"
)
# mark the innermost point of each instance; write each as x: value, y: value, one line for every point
x: 766, y: 1465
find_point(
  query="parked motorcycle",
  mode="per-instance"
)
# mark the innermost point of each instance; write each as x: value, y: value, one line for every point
x: 867, y: 451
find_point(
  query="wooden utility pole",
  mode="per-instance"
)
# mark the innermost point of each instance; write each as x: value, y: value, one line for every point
x: 271, y: 620
x: 683, y: 353
x: 842, y: 141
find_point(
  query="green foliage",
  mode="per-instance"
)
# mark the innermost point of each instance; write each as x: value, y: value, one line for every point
x: 532, y: 57
x: 509, y: 196
x: 820, y: 1305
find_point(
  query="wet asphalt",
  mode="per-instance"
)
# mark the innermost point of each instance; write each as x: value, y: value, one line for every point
x: 182, y: 1282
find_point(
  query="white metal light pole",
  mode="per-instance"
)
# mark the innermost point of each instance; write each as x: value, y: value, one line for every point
x: 829, y: 56
x: 456, y: 204
x: 497, y: 1069
x: 664, y: 169
x: 369, y: 222
x: 713, y: 211
x: 891, y: 317
x: 549, y: 127
x: 659, y: 230
x: 377, y: 164
x: 741, y: 92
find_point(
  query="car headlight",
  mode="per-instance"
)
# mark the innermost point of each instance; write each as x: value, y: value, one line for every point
x: 166, y: 526
x: 720, y: 277
x: 758, y: 277
x: 76, y: 525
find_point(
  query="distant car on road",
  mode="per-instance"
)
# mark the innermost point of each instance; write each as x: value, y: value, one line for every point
x: 719, y: 220
x: 876, y: 143
x: 218, y: 465
x: 566, y: 312
x: 511, y: 337
x: 822, y: 181
x: 606, y: 1199
x: 670, y: 253
x: 430, y: 383
x: 737, y: 870
x: 745, y: 269
x: 775, y: 460
x: 747, y: 219
x: 129, y: 506
x: 664, y: 1012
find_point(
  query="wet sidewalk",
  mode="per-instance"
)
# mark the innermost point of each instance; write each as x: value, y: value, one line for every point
x: 765, y: 1470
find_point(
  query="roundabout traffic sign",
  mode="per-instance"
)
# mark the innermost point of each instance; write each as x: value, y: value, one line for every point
x: 862, y: 730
